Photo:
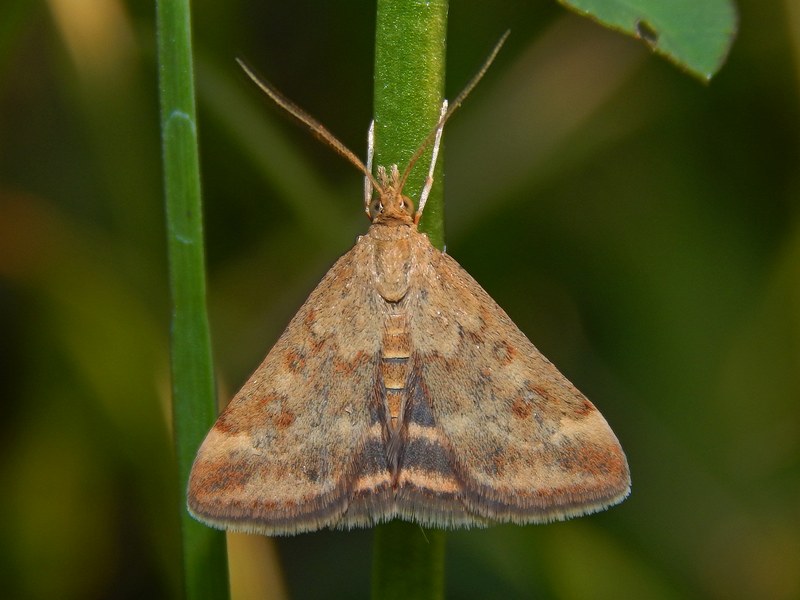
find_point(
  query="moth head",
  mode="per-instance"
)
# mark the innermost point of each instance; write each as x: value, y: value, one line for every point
x: 389, y: 204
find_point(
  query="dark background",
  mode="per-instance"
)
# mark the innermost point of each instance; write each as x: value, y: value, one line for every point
x: 641, y: 227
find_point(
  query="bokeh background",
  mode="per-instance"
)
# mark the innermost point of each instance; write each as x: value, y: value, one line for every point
x: 641, y: 227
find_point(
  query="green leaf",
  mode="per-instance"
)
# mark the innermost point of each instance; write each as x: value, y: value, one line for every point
x: 694, y: 34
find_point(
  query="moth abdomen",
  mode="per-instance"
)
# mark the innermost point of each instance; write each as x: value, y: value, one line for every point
x: 394, y: 374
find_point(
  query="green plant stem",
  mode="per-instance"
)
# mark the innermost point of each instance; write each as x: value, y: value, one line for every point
x: 409, y: 87
x: 410, y: 44
x: 408, y: 562
x: 193, y: 390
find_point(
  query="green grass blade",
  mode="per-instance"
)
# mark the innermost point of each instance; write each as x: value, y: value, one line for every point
x: 409, y: 86
x: 193, y: 392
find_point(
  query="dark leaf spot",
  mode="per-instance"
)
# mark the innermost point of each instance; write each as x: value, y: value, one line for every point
x: 646, y: 33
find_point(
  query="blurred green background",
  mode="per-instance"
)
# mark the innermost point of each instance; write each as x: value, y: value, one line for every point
x: 640, y: 227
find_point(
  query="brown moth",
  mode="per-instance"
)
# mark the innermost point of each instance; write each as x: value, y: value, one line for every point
x: 400, y: 389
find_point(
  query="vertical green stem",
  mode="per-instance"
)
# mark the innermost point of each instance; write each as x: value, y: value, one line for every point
x: 409, y: 87
x: 408, y: 562
x: 410, y: 43
x: 193, y: 393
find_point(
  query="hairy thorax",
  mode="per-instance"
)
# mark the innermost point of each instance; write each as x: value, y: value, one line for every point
x: 392, y: 259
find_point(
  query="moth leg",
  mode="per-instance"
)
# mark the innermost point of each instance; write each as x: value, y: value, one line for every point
x: 370, y: 154
x: 426, y: 190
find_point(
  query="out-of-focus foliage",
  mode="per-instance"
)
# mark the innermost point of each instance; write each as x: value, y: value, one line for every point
x: 640, y: 227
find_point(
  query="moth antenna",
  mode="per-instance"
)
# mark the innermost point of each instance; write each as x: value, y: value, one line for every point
x: 370, y: 155
x: 426, y: 189
x: 453, y: 106
x: 315, y: 126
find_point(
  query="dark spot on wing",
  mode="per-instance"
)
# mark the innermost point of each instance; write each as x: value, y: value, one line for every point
x: 425, y: 455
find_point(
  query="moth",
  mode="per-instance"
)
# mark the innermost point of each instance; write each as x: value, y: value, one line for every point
x: 400, y: 389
